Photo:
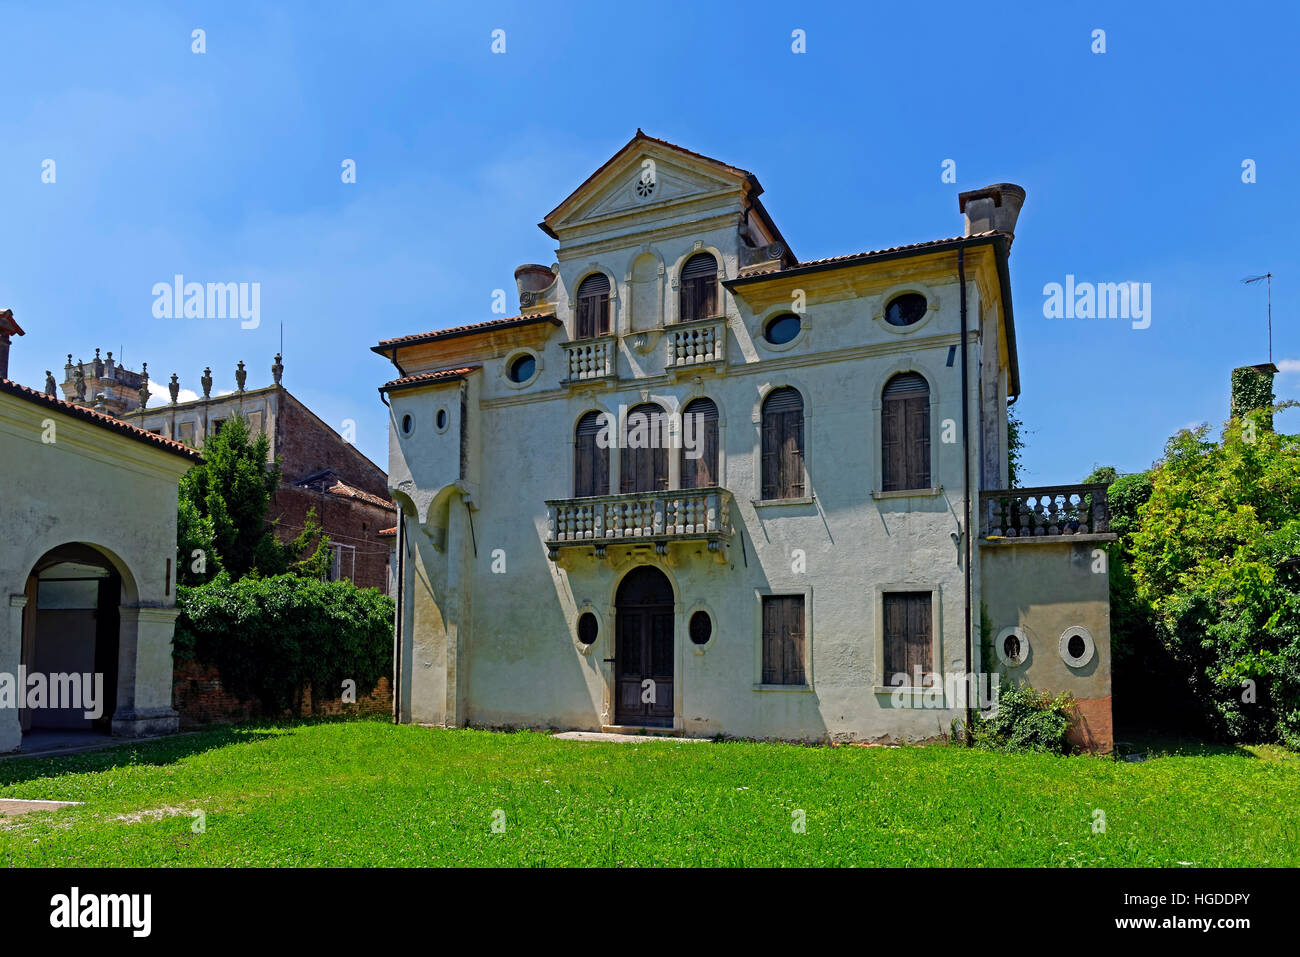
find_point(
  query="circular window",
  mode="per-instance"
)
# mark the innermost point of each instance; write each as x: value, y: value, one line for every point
x: 907, y: 309
x: 408, y: 423
x: 1077, y: 647
x: 783, y: 329
x: 440, y: 420
x: 701, y: 628
x: 523, y: 368
x: 588, y: 628
x: 1012, y: 646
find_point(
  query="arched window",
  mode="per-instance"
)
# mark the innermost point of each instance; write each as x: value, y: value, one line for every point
x: 593, y: 306
x: 591, y: 457
x: 644, y: 459
x: 699, y: 288
x: 783, y: 445
x: 700, y: 444
x: 905, y: 433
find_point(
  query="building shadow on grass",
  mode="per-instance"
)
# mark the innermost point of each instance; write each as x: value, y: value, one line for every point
x: 125, y: 752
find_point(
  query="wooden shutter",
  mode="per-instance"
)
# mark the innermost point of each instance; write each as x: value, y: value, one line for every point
x: 905, y: 433
x: 644, y: 469
x: 908, y: 640
x: 782, y: 445
x: 699, y: 288
x: 590, y: 461
x: 701, y: 472
x: 783, y: 640
x: 593, y: 306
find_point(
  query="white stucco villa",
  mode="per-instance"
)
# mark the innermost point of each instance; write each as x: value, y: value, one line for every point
x: 699, y: 486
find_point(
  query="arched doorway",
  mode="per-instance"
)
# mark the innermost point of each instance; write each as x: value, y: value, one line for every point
x: 643, y: 651
x: 70, y: 641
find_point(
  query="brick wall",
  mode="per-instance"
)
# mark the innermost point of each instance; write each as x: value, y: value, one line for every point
x: 347, y: 522
x: 306, y: 446
x: 201, y: 700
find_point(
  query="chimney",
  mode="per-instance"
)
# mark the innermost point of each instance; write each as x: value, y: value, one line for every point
x: 1252, y: 389
x: 7, y: 328
x: 992, y: 207
x: 532, y: 281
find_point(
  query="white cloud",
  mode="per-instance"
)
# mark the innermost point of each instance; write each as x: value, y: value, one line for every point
x: 160, y: 392
x: 1287, y: 366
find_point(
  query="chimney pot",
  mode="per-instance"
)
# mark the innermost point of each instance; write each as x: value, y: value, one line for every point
x: 995, y: 207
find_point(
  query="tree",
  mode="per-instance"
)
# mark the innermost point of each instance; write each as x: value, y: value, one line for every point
x: 1207, y: 553
x: 1015, y: 447
x: 222, y: 508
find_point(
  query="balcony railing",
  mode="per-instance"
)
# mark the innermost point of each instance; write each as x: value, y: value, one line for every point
x: 590, y: 359
x: 696, y: 343
x: 1051, y: 510
x: 637, y: 518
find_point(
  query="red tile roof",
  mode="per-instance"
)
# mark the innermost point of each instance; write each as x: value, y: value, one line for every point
x: 8, y: 325
x: 425, y: 378
x: 349, y: 491
x: 100, y: 419
x: 869, y: 254
x: 387, y: 345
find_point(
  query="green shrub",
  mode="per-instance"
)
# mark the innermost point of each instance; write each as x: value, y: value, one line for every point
x: 271, y: 639
x: 1026, y: 720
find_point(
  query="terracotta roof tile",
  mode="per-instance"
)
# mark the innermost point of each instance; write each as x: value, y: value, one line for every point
x: 349, y: 491
x: 467, y: 330
x: 869, y: 254
x: 386, y: 532
x: 424, y: 378
x: 100, y: 419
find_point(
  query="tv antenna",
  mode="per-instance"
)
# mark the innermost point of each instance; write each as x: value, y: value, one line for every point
x: 1268, y: 279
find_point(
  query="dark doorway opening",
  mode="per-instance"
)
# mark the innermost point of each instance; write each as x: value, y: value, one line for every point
x: 71, y: 628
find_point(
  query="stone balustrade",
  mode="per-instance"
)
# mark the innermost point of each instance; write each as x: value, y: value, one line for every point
x: 639, y: 518
x: 590, y: 359
x: 696, y: 343
x: 1050, y: 510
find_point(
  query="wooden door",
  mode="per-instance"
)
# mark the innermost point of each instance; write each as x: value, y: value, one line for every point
x: 643, y: 651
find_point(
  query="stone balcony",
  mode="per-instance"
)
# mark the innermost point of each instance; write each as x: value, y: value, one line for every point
x: 590, y: 360
x: 692, y: 344
x: 1049, y: 512
x: 640, y: 518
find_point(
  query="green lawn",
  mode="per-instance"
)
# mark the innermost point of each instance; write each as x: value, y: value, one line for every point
x: 370, y: 793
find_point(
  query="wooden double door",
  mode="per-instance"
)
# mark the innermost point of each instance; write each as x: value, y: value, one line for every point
x: 644, y: 650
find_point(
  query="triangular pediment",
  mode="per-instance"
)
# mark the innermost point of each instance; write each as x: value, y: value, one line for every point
x: 646, y: 176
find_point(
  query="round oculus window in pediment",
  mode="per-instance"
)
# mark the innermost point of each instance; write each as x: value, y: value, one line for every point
x: 645, y: 187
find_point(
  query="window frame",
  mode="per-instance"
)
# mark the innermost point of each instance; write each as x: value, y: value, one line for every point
x: 629, y: 458
x: 715, y: 473
x: 800, y: 491
x: 603, y: 323
x: 804, y: 592
x: 937, y: 650
x: 601, y: 417
x: 697, y: 283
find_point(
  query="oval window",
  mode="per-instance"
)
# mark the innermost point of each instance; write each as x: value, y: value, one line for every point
x: 783, y: 329
x: 906, y: 309
x: 523, y: 368
x: 1076, y: 646
x: 408, y: 423
x: 701, y: 628
x: 588, y: 628
x: 1011, y: 647
x: 440, y: 420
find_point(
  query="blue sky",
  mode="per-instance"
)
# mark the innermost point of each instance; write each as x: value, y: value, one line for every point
x: 225, y: 167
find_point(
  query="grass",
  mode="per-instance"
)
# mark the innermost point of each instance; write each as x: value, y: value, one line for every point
x: 370, y: 793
